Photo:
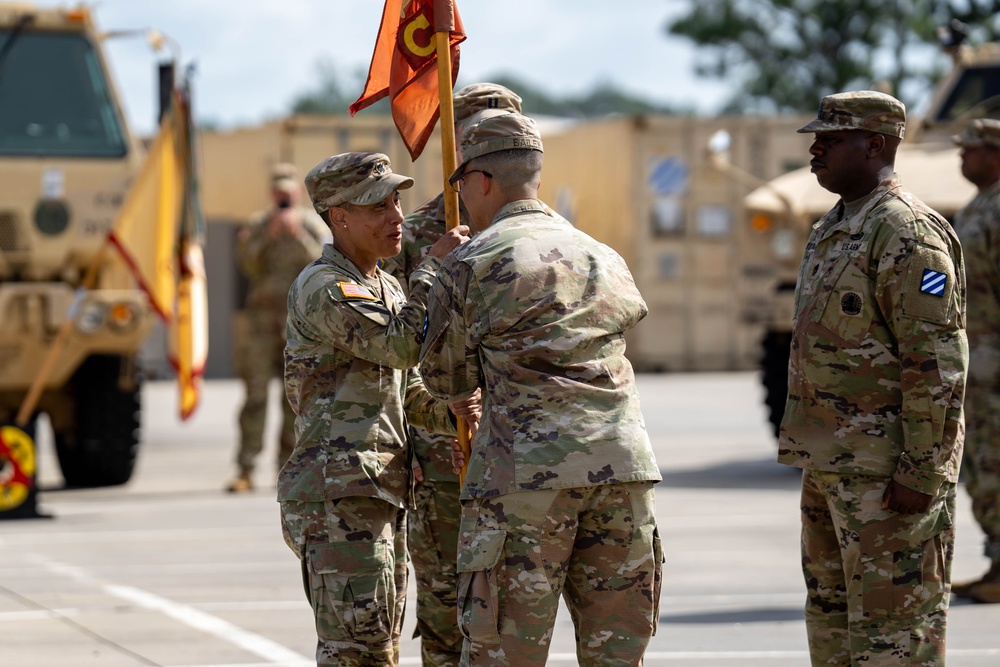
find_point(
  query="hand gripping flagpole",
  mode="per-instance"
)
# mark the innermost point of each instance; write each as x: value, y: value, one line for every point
x: 444, y: 24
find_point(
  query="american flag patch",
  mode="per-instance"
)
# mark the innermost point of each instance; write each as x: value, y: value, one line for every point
x: 355, y: 291
x: 933, y: 282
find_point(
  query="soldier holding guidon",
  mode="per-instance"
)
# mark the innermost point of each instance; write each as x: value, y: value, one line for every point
x: 433, y: 524
x: 558, y: 499
x: 875, y: 390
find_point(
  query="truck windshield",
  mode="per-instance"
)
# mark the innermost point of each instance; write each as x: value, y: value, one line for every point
x: 977, y: 93
x: 54, y: 99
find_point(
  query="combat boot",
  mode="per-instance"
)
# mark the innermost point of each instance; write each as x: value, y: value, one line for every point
x: 985, y: 589
x: 242, y: 483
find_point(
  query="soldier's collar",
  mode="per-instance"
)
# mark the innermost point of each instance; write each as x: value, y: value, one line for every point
x: 520, y: 207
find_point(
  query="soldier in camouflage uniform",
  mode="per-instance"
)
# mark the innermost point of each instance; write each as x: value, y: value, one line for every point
x: 978, y: 226
x: 558, y: 500
x: 874, y: 411
x: 352, y: 345
x: 433, y: 524
x: 270, y: 251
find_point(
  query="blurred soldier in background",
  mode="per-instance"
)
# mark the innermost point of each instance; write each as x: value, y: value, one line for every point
x: 978, y: 226
x: 433, y: 525
x: 558, y: 501
x: 270, y: 251
x: 353, y: 342
x: 875, y: 388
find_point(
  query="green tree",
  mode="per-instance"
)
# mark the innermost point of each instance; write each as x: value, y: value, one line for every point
x: 604, y: 100
x: 786, y: 54
x: 330, y: 95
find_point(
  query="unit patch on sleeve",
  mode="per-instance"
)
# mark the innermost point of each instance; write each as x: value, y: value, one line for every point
x: 929, y: 286
x: 933, y: 282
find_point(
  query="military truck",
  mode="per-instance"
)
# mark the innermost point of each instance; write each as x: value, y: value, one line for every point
x: 66, y: 160
x: 781, y: 212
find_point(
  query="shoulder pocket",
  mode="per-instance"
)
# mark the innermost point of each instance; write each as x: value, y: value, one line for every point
x: 930, y: 286
x: 849, y: 306
x: 373, y: 311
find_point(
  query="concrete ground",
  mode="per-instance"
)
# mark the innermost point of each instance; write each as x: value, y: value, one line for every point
x: 170, y: 571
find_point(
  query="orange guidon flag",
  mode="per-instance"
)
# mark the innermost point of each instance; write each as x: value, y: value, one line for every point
x: 404, y: 65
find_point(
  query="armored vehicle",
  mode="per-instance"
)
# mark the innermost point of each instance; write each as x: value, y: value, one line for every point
x: 66, y: 160
x: 783, y: 210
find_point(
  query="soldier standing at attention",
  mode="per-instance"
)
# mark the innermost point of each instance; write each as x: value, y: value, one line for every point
x: 875, y: 389
x: 352, y: 345
x: 978, y: 226
x: 558, y: 499
x: 433, y: 525
x: 270, y: 252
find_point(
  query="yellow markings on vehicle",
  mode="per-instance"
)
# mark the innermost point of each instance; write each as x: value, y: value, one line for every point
x: 17, y: 467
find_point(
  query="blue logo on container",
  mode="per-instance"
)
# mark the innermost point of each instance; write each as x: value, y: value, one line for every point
x: 668, y: 176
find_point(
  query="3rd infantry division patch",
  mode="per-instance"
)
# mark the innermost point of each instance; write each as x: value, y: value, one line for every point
x: 933, y: 282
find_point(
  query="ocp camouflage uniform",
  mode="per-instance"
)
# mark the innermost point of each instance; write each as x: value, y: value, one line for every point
x: 433, y: 523
x: 558, y: 495
x: 978, y: 226
x: 352, y: 344
x: 270, y: 264
x: 876, y: 382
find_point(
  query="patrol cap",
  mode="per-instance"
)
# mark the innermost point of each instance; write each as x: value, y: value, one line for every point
x: 980, y: 132
x: 479, y: 96
x: 509, y: 131
x: 481, y: 116
x: 356, y: 178
x: 860, y: 110
x: 284, y: 177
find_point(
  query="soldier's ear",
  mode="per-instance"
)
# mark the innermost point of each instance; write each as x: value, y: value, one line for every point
x: 486, y: 185
x: 875, y: 144
x: 335, y: 216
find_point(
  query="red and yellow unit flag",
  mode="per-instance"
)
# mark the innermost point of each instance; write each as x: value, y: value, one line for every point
x: 404, y: 65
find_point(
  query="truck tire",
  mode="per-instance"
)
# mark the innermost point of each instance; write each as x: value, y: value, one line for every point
x: 776, y: 348
x: 102, y: 449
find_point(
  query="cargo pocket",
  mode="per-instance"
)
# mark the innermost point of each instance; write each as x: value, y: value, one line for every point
x: 900, y: 579
x: 481, y: 571
x: 641, y: 570
x: 353, y: 592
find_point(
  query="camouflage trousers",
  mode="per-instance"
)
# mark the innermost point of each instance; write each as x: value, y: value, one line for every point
x: 353, y: 553
x: 259, y: 358
x: 877, y: 581
x: 598, y: 547
x: 981, y: 460
x: 433, y: 543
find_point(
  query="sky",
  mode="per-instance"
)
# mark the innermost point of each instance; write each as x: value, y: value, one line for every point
x: 254, y: 58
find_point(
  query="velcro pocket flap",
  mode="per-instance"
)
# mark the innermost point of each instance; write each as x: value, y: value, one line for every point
x: 482, y: 551
x: 347, y: 557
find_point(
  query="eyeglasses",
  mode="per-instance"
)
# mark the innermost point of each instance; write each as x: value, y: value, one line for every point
x: 458, y: 182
